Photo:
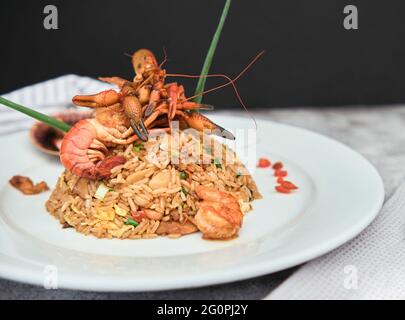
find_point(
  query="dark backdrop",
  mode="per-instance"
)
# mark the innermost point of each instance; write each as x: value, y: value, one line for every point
x: 310, y: 58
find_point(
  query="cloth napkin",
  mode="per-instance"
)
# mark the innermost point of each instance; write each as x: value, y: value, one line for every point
x: 371, y: 266
x: 47, y: 97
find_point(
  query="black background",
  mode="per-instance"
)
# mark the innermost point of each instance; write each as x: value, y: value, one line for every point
x: 310, y: 60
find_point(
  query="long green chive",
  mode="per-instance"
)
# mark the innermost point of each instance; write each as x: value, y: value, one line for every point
x: 131, y: 222
x: 210, y: 54
x: 36, y: 115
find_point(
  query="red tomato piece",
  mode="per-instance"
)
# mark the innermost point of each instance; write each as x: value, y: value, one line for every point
x: 138, y: 215
x: 263, y: 163
x: 280, y: 173
x: 281, y: 189
x: 289, y: 185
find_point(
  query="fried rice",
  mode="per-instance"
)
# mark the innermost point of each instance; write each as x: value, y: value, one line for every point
x: 155, y: 187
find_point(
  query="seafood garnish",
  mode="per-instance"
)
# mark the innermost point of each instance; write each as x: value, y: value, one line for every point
x: 26, y: 186
x: 219, y: 215
x: 128, y: 115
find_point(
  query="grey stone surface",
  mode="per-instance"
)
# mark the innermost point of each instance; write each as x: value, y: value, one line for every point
x: 375, y: 132
x: 256, y: 288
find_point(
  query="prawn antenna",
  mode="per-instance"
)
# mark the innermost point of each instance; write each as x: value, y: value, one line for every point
x: 230, y: 82
x: 164, y: 59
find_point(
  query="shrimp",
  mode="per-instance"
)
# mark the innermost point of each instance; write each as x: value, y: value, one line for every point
x: 219, y: 215
x: 82, y: 152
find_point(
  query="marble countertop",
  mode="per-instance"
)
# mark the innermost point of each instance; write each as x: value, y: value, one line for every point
x: 375, y: 132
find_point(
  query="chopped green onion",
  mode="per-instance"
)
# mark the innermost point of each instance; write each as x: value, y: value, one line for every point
x: 238, y: 174
x: 183, y: 175
x: 184, y: 191
x: 210, y: 54
x: 138, y: 147
x: 131, y: 222
x: 208, y: 149
x: 101, y: 191
x: 217, y: 163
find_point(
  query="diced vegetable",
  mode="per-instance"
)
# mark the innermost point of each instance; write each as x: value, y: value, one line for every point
x: 280, y: 180
x: 280, y: 173
x: 105, y: 214
x: 131, y: 222
x: 138, y: 215
x: 183, y: 175
x: 238, y: 174
x: 278, y: 165
x: 101, y: 191
x: 217, y: 163
x: 263, y: 163
x: 289, y: 185
x: 138, y: 147
x: 281, y: 189
x: 184, y: 191
x: 118, y: 210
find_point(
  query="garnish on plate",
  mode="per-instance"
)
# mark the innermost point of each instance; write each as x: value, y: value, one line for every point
x: 26, y: 186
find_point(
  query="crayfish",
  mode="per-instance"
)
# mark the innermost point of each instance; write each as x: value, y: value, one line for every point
x: 141, y: 106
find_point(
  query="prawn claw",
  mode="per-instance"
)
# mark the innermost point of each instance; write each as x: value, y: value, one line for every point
x: 139, y: 129
x: 149, y: 109
x: 222, y: 132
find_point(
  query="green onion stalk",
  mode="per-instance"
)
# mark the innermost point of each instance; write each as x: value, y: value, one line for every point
x: 210, y: 54
x: 36, y: 115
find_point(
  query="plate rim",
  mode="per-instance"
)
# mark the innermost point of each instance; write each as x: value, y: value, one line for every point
x: 71, y: 281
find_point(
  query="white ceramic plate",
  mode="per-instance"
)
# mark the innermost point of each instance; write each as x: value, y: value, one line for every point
x: 340, y: 194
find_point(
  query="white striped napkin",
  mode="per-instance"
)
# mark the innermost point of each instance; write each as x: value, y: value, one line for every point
x: 47, y: 97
